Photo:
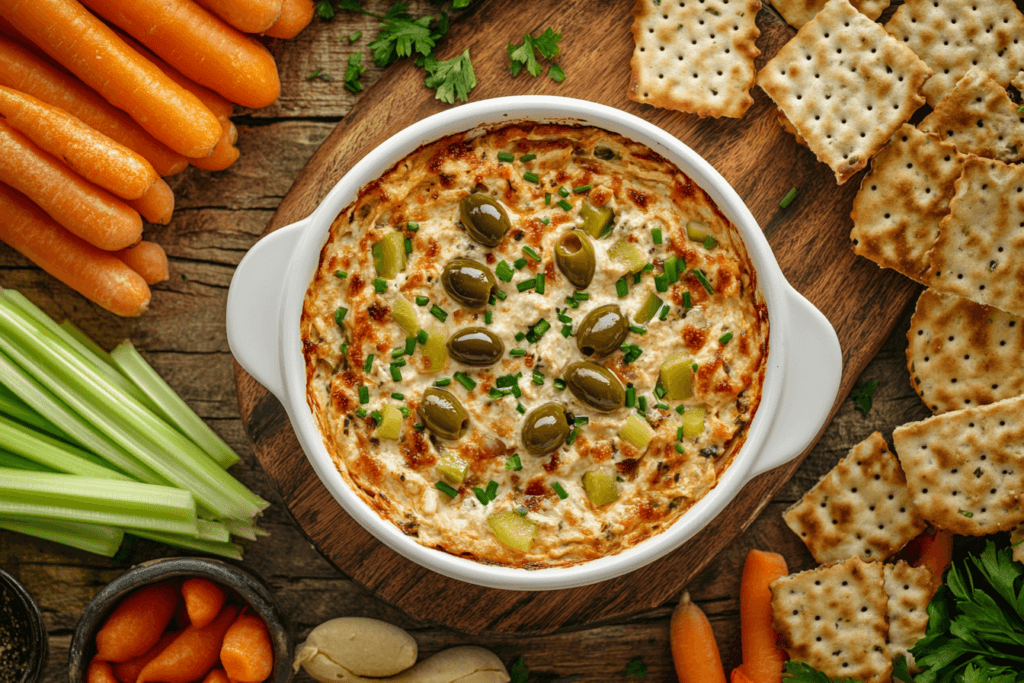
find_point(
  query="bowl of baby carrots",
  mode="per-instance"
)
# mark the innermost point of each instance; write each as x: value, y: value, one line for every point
x: 182, y: 620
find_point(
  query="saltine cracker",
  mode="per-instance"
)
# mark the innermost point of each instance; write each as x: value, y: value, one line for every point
x: 799, y: 12
x: 910, y: 589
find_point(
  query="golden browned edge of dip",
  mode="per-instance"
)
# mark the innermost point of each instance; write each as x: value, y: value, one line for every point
x: 656, y: 486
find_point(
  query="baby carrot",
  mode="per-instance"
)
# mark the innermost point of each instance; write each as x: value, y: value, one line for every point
x: 136, y: 624
x: 216, y: 676
x: 88, y: 211
x: 739, y: 675
x: 694, y: 650
x: 248, y: 16
x: 936, y: 553
x: 192, y: 654
x: 89, y: 49
x: 200, y: 46
x: 224, y: 154
x: 762, y: 659
x: 95, y: 274
x: 157, y: 204
x: 247, y: 655
x: 149, y: 260
x: 127, y: 672
x: 295, y: 16
x: 99, y: 672
x: 203, y: 600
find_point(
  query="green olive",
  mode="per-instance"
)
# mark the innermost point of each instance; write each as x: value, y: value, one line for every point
x: 602, y: 331
x: 484, y: 219
x: 469, y: 282
x: 595, y: 385
x: 442, y: 414
x: 574, y: 255
x: 545, y: 429
x: 475, y: 346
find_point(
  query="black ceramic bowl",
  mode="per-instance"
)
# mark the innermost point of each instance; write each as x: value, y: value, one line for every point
x: 27, y: 632
x: 241, y: 582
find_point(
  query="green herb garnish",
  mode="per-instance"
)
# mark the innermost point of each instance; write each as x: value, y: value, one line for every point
x: 446, y: 489
x: 863, y: 394
x: 788, y: 199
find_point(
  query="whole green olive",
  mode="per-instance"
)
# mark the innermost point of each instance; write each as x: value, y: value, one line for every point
x: 602, y: 331
x: 469, y: 282
x: 484, y: 219
x: 545, y: 429
x: 475, y: 346
x: 574, y: 255
x: 442, y: 414
x: 595, y: 385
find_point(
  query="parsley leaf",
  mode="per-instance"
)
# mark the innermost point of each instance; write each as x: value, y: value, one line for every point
x: 354, y: 72
x: 319, y: 73
x: 519, y: 672
x: 401, y: 36
x: 801, y: 672
x: 556, y: 73
x: 525, y: 55
x: 451, y: 78
x: 325, y: 10
x: 862, y: 395
x: 349, y: 6
x: 636, y: 667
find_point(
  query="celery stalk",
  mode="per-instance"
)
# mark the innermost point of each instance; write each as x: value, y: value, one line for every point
x: 16, y: 462
x: 13, y: 407
x: 212, y: 531
x: 169, y: 405
x: 244, y: 529
x: 52, y: 453
x: 92, y: 538
x: 232, y: 551
x: 82, y: 339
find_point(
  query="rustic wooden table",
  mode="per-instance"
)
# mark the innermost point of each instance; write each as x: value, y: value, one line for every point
x: 219, y: 216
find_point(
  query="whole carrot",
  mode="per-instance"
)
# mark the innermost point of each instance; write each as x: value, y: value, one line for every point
x: 200, y: 46
x: 148, y: 259
x: 137, y: 623
x: 295, y: 16
x: 87, y: 211
x: 739, y: 675
x: 89, y: 49
x: 224, y: 154
x: 762, y: 658
x: 694, y: 649
x: 27, y: 72
x: 247, y: 654
x: 203, y: 600
x: 99, y: 672
x: 127, y: 672
x: 248, y: 16
x: 157, y: 204
x: 216, y: 676
x: 95, y: 274
x: 192, y: 654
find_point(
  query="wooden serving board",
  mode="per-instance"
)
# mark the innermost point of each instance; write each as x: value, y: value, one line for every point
x: 810, y: 240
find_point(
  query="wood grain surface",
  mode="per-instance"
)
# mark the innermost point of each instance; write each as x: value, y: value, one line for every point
x: 810, y: 241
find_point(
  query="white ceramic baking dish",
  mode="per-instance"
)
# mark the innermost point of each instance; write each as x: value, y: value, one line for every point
x: 801, y: 382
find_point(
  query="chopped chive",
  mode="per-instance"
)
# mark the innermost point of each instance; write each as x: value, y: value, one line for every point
x: 581, y: 296
x: 566, y: 331
x: 514, y: 463
x: 492, y: 489
x: 1020, y: 109
x: 507, y: 380
x: 492, y: 300
x: 517, y: 352
x: 661, y: 406
x: 582, y: 189
x: 488, y: 318
x: 531, y: 177
x: 520, y: 263
x: 504, y: 271
x: 571, y: 302
x: 672, y: 269
x: 636, y: 329
x: 375, y: 414
x: 397, y: 396
x: 364, y: 395
x: 341, y: 274
x: 661, y: 282
x: 465, y: 380
x: 695, y: 367
x: 418, y: 427
x: 404, y: 411
x: 664, y: 312
x: 422, y: 336
x: 506, y: 156
x: 380, y: 285
x: 547, y: 198
x: 581, y: 420
x: 559, y: 490
x: 528, y: 157
x: 422, y: 301
x: 443, y: 382
x: 368, y: 365
x: 679, y: 433
x: 340, y: 314
x: 788, y: 199
x: 497, y: 393
x: 344, y: 349
x: 545, y: 220
x: 531, y: 253
x: 396, y: 372
x: 703, y: 280
x: 656, y: 235
x: 516, y: 391
x: 500, y: 294
x: 408, y: 245
x: 526, y: 284
x: 642, y: 404
x: 438, y: 313
x: 630, y: 396
x: 710, y: 242
x: 724, y: 339
x: 540, y: 283
x: 481, y: 495
x: 637, y: 278
x: 687, y: 302
x: 410, y: 346
x: 572, y: 436
x: 680, y: 409
x: 538, y: 378
x: 559, y: 384
x: 537, y: 331
x: 566, y: 206
x: 400, y: 363
x: 679, y: 448
x: 520, y: 409
x: 446, y: 489
x: 621, y: 288
x: 522, y: 511
x: 361, y: 412
x: 412, y: 227
x: 563, y: 191
x: 648, y: 268
x: 659, y: 390
x: 562, y: 317
x: 400, y: 351
x: 520, y: 336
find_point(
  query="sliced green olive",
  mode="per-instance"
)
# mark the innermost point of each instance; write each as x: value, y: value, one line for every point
x: 484, y: 219
x: 602, y: 331
x: 442, y: 414
x: 545, y: 429
x: 475, y: 346
x: 469, y: 282
x: 595, y: 385
x: 574, y: 255
x: 597, y: 220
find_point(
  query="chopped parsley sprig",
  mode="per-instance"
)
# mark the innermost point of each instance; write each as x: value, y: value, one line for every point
x: 524, y: 55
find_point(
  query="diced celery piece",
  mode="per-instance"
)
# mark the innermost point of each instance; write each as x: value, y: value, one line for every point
x: 693, y: 421
x: 389, y: 255
x: 390, y: 423
x: 512, y: 530
x: 677, y: 377
x: 697, y: 231
x: 404, y: 314
x: 637, y: 432
x: 596, y: 219
x: 630, y: 253
x: 600, y: 487
x: 436, y: 349
x: 453, y: 468
x: 650, y: 306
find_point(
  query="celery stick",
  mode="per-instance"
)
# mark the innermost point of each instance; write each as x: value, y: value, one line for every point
x: 169, y: 405
x: 244, y: 529
x: 92, y: 538
x: 48, y: 451
x: 125, y: 504
x: 16, y: 462
x: 14, y: 407
x: 212, y: 531
x: 232, y: 551
x: 82, y: 339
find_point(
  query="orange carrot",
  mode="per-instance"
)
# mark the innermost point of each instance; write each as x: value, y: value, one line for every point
x: 248, y: 16
x: 89, y: 49
x: 149, y: 260
x: 27, y: 72
x: 95, y: 274
x: 762, y: 658
x: 200, y: 46
x: 694, y: 650
x: 203, y: 599
x: 99, y: 672
x: 216, y: 676
x: 224, y: 154
x: 295, y: 16
x: 127, y: 672
x: 936, y: 553
x: 157, y: 204
x: 739, y: 675
x: 136, y: 624
x: 91, y: 154
x: 247, y: 655
x: 192, y: 654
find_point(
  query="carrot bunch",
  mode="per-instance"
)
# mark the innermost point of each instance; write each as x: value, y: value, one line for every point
x: 102, y: 99
x: 169, y: 634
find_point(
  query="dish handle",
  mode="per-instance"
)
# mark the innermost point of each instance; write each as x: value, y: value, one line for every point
x: 814, y: 369
x: 254, y: 306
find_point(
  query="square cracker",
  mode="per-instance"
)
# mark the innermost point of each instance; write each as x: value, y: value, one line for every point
x: 799, y: 12
x: 978, y: 117
x: 951, y: 36
x: 861, y: 508
x: 903, y: 198
x: 962, y: 354
x: 965, y: 469
x: 846, y: 85
x: 977, y: 253
x: 695, y: 56
x: 910, y: 589
x: 1018, y: 82
x: 834, y: 618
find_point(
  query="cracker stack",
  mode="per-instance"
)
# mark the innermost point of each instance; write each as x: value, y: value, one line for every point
x: 846, y: 85
x: 799, y: 12
x: 900, y: 203
x: 910, y: 589
x: 962, y: 354
x: 695, y: 56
